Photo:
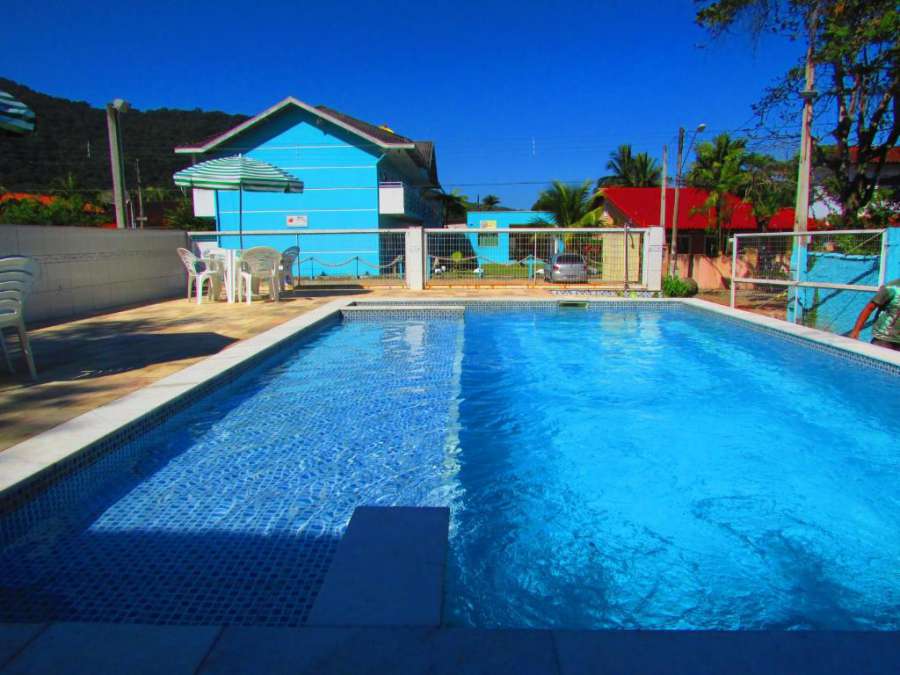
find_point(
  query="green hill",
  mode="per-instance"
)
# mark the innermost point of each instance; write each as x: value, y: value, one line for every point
x: 70, y: 138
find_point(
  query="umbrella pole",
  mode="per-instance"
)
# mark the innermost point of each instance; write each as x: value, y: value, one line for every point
x: 241, y: 215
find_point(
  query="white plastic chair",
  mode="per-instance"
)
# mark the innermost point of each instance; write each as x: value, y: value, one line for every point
x: 18, y: 275
x: 259, y: 263
x: 288, y: 258
x: 199, y: 272
x: 12, y: 315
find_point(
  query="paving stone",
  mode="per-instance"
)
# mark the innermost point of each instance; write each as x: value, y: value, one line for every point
x: 14, y: 637
x: 702, y: 652
x: 80, y: 648
x: 381, y: 650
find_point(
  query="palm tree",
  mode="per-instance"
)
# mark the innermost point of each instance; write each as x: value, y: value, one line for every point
x: 453, y: 204
x: 571, y: 205
x: 490, y: 201
x: 720, y: 169
x: 628, y: 170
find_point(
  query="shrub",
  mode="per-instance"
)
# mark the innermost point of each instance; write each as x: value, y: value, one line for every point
x: 676, y: 287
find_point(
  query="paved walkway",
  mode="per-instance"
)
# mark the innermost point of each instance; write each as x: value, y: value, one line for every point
x: 87, y: 363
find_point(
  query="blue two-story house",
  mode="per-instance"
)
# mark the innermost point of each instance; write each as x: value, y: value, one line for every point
x: 356, y: 176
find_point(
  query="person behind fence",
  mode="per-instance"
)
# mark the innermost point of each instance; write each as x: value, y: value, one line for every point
x: 886, y: 328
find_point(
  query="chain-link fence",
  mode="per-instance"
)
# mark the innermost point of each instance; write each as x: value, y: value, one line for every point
x: 531, y: 256
x: 819, y: 279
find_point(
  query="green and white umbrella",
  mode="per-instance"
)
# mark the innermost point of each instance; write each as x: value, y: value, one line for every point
x: 15, y: 116
x: 237, y: 173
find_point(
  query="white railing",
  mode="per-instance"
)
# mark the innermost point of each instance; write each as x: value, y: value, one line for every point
x: 326, y: 257
x: 820, y: 278
x: 616, y: 258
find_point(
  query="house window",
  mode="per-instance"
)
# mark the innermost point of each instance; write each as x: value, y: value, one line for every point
x: 684, y: 243
x: 488, y: 240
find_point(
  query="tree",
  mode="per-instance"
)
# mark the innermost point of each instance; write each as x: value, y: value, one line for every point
x: 453, y: 204
x: 630, y: 170
x: 179, y: 215
x: 490, y: 201
x: 720, y: 169
x: 154, y: 194
x: 571, y: 205
x: 769, y: 185
x: 856, y: 51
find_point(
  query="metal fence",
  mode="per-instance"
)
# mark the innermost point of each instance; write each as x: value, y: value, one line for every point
x: 606, y: 257
x: 326, y: 257
x: 819, y: 279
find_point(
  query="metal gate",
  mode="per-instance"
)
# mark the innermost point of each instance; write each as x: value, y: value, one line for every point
x: 611, y: 257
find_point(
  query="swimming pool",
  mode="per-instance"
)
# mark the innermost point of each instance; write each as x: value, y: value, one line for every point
x: 616, y: 467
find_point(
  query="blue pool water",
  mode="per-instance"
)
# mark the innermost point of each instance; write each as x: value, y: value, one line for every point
x: 604, y: 469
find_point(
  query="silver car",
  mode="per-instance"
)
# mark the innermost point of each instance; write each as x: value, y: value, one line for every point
x: 567, y: 268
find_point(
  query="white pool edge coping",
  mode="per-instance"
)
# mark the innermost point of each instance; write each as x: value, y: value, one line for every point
x: 24, y: 461
x: 811, y: 334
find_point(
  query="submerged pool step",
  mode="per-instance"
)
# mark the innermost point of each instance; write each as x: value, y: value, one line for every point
x: 388, y: 569
x: 394, y: 311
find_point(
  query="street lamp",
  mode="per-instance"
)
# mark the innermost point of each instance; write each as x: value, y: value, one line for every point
x: 679, y: 166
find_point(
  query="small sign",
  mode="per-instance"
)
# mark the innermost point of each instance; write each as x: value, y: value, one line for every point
x: 297, y: 221
x: 488, y: 224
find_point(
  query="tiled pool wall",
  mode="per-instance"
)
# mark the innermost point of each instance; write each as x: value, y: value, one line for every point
x: 97, y: 464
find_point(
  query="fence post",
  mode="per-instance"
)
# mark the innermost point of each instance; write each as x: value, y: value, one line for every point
x: 654, y: 240
x: 414, y: 255
x: 890, y: 260
x: 734, y: 256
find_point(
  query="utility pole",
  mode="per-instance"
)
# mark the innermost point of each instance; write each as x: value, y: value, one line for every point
x: 801, y: 206
x: 116, y: 160
x: 141, y: 218
x: 673, y: 247
x: 662, y: 192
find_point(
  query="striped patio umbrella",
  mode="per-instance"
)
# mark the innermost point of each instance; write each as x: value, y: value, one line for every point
x: 15, y: 116
x: 237, y: 173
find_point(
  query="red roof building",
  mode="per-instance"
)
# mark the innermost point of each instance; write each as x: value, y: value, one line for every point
x: 639, y: 207
x: 783, y: 221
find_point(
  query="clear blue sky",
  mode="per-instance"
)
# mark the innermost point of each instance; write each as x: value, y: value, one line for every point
x: 509, y: 91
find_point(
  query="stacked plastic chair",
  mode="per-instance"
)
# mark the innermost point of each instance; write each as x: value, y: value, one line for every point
x: 18, y: 275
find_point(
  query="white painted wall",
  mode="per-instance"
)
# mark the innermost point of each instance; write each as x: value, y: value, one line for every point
x: 87, y: 269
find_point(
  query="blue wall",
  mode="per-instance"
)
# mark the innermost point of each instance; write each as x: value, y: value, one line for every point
x: 502, y: 219
x: 339, y: 171
x: 836, y: 310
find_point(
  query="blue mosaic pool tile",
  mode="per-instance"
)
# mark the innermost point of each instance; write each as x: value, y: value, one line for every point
x: 229, y: 512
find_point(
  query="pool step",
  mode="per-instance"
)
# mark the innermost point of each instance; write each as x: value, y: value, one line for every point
x: 388, y: 569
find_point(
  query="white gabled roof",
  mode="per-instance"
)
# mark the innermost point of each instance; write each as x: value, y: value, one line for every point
x: 210, y: 143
